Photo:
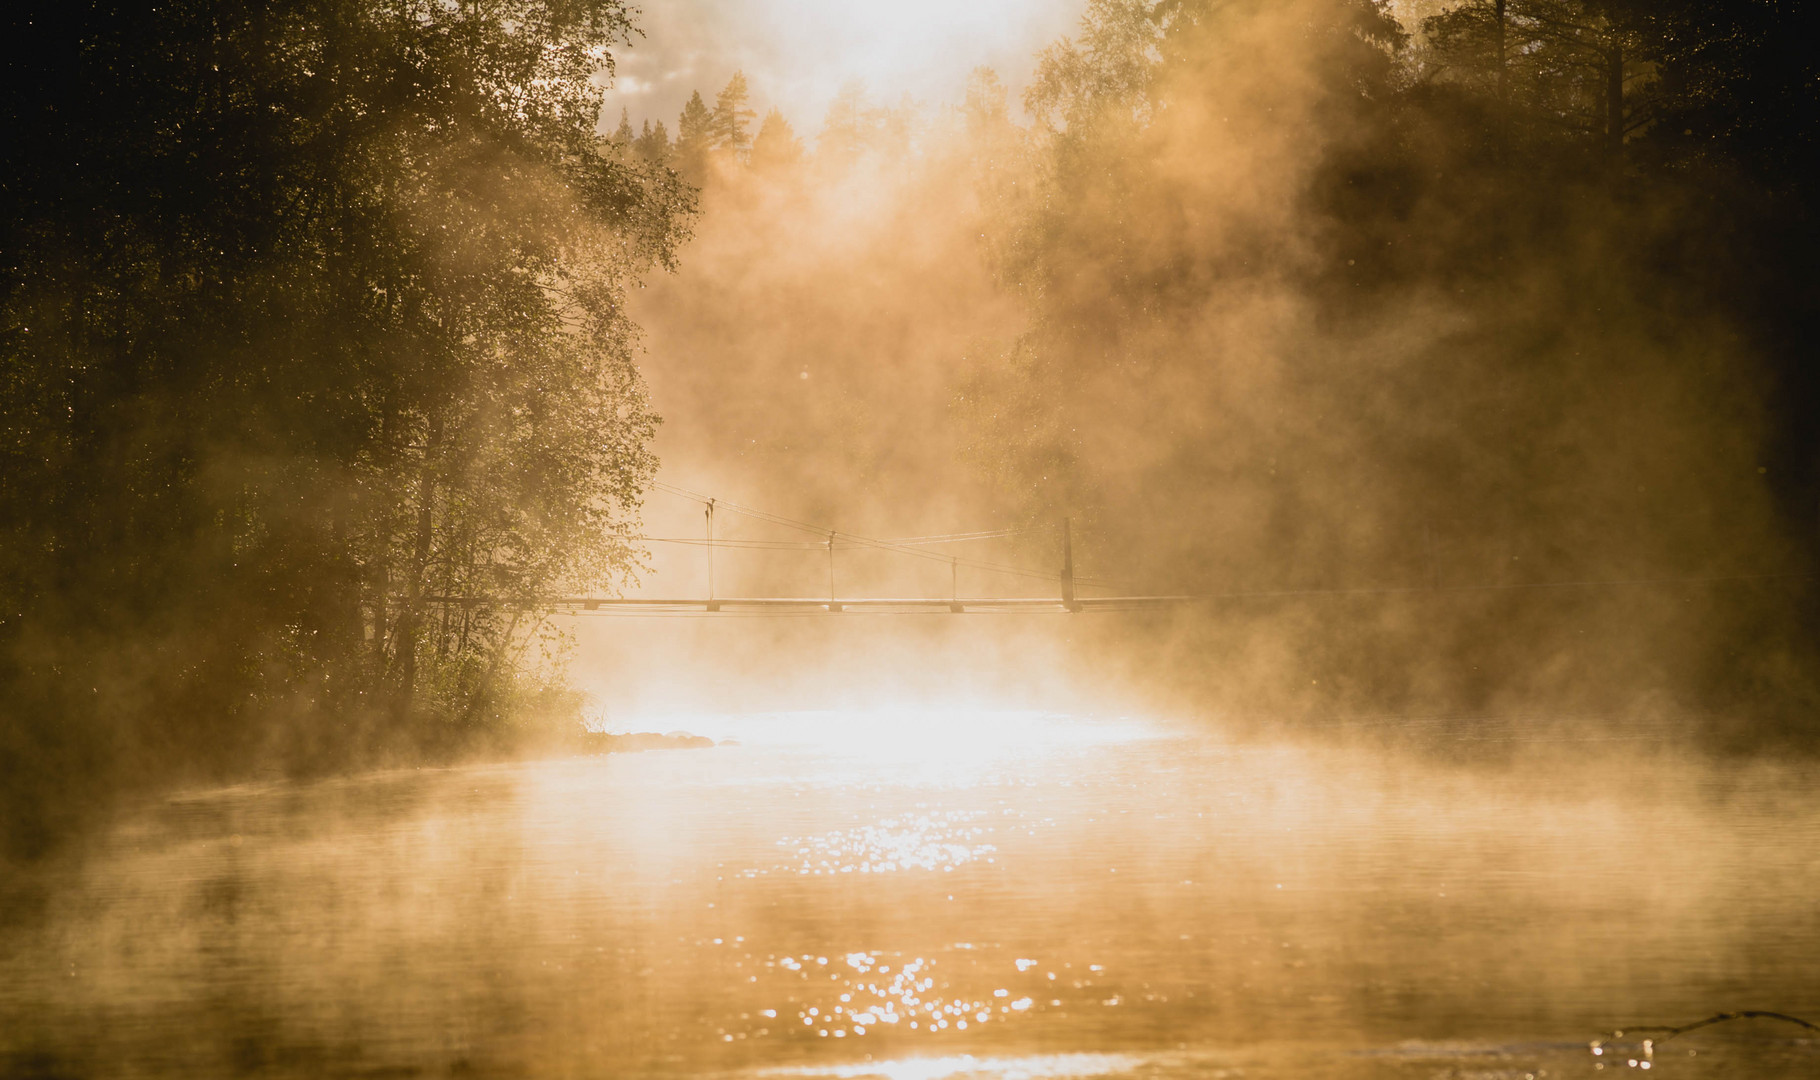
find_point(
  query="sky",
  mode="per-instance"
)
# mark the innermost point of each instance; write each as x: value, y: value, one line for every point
x: 797, y: 54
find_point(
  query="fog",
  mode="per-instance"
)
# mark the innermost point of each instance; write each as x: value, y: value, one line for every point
x: 1088, y: 539
x: 1450, y: 427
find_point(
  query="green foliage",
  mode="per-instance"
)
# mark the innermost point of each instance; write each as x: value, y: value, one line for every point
x: 313, y: 316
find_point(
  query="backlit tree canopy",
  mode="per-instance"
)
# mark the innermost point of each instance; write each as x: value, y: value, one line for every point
x: 311, y: 312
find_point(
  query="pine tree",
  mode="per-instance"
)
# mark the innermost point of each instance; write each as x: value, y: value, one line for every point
x: 653, y: 144
x: 1556, y: 69
x: 731, y: 114
x: 623, y: 136
x: 776, y: 144
x: 694, y: 137
x: 851, y: 126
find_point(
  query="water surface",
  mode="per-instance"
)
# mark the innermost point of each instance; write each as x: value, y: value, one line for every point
x: 929, y: 893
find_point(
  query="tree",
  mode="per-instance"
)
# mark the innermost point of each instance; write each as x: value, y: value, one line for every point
x: 731, y: 116
x: 1733, y: 86
x: 853, y: 125
x: 1283, y: 289
x: 985, y: 104
x: 694, y: 137
x: 653, y: 144
x: 1561, y: 68
x: 776, y: 145
x: 312, y: 353
x: 1107, y: 71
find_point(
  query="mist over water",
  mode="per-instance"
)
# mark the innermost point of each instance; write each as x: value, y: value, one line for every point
x: 935, y: 891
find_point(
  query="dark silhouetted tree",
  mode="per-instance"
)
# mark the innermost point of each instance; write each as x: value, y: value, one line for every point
x: 311, y: 319
x: 1559, y: 69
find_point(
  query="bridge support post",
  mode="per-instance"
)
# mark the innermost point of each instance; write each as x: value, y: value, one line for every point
x: 1068, y: 565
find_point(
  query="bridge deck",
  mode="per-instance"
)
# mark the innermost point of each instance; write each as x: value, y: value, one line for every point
x: 608, y: 605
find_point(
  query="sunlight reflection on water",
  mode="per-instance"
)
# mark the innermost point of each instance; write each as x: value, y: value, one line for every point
x: 1036, y: 1067
x: 940, y: 840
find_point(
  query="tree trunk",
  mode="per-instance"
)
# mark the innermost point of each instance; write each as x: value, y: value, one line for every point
x: 1501, y: 117
x: 382, y: 568
x: 485, y: 689
x: 409, y: 620
x: 1614, y: 100
x: 1503, y: 70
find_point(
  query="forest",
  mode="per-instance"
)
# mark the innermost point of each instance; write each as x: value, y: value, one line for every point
x: 315, y: 346
x: 1462, y: 355
x: 312, y: 311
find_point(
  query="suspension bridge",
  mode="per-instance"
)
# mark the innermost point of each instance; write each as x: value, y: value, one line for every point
x: 828, y: 543
x: 1062, y: 595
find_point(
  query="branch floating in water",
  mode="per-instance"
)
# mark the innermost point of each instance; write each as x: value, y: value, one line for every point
x: 1667, y: 1033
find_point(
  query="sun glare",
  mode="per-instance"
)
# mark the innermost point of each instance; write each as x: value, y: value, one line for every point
x: 950, y: 738
x: 799, y: 53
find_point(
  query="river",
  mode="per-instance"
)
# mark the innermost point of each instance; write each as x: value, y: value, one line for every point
x: 918, y: 894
